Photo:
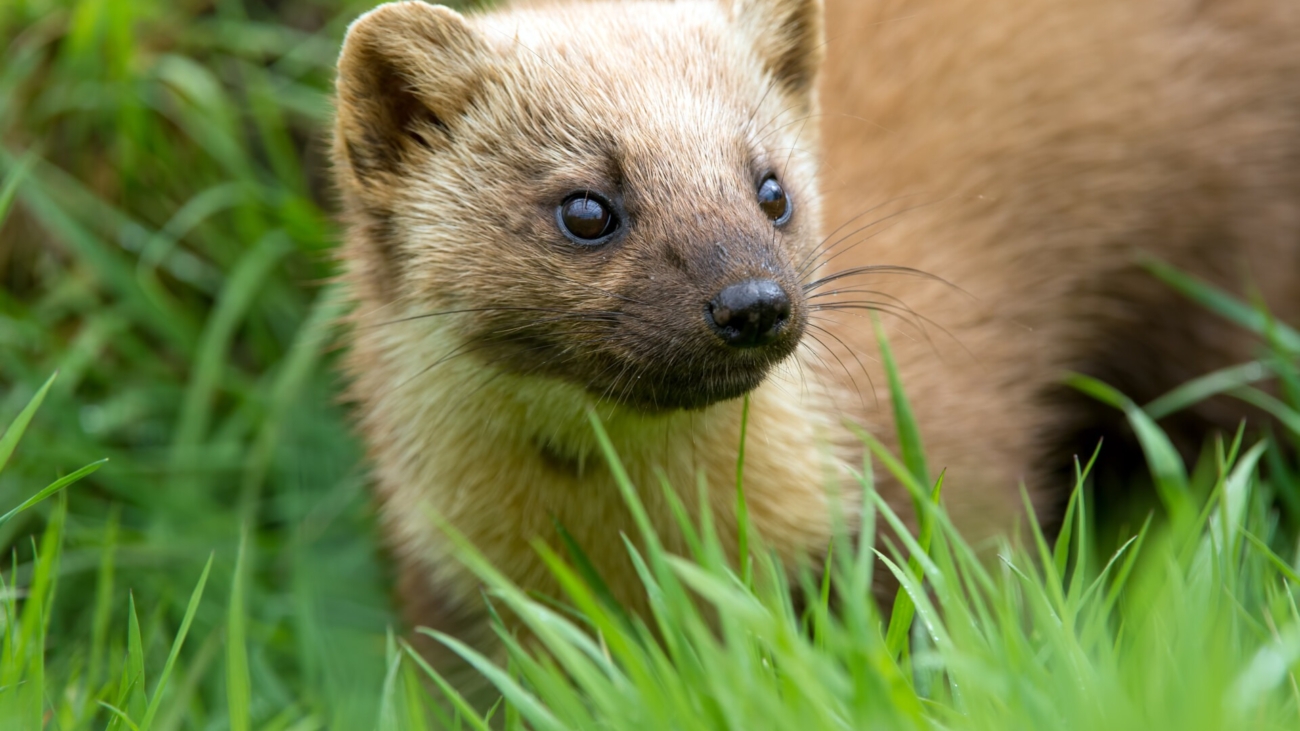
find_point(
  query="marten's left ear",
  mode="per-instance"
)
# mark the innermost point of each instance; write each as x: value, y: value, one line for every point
x: 788, y: 36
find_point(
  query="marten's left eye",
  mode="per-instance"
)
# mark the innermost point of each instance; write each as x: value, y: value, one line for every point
x: 774, y: 201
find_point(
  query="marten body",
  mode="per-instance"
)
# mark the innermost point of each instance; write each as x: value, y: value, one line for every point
x: 1025, y: 152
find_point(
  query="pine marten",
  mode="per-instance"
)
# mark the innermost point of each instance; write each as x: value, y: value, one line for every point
x: 653, y: 209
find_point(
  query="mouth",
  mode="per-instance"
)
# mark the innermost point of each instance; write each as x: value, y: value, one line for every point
x: 650, y: 379
x: 689, y: 386
x: 702, y: 393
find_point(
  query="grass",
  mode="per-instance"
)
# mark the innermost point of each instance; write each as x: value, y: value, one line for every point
x: 163, y: 247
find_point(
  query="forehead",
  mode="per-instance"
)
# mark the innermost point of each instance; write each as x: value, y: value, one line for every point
x: 683, y: 41
x: 641, y: 75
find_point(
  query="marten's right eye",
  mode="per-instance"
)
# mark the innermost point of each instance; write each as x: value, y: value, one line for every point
x: 586, y: 218
x: 774, y: 201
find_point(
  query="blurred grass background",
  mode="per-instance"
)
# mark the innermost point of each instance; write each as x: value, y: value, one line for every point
x: 165, y: 246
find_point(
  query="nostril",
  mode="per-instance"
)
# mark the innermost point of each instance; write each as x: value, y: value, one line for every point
x: 751, y: 313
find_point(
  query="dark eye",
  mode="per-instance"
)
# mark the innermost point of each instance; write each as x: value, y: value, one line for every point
x: 586, y: 218
x: 774, y: 201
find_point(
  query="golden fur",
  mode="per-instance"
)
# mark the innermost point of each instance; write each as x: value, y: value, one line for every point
x: 1023, y: 150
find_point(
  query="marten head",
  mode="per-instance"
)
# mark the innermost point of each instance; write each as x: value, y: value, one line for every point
x: 617, y: 195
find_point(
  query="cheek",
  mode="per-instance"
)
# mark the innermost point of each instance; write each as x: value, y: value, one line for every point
x: 665, y: 310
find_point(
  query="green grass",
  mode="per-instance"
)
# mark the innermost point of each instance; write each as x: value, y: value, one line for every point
x: 164, y: 239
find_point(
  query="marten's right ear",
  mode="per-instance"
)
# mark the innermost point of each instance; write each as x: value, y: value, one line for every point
x: 407, y: 70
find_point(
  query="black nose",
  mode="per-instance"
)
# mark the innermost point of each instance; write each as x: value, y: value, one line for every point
x: 750, y: 314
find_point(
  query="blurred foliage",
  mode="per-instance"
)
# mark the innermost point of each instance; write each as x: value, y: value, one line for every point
x: 166, y: 249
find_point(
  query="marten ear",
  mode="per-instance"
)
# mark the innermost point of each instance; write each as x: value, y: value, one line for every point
x: 788, y: 36
x: 407, y: 70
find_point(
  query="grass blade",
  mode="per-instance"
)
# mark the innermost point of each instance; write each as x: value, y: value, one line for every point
x: 238, y: 686
x: 1164, y: 462
x: 909, y: 434
x: 1223, y: 304
x: 190, y: 610
x: 51, y: 489
x: 130, y: 692
x: 11, y: 182
x: 1199, y: 389
x: 19, y: 425
x: 742, y: 506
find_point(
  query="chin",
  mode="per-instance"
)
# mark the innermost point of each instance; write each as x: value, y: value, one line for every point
x: 690, y: 394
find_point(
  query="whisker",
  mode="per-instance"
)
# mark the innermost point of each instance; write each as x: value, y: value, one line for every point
x: 905, y: 314
x: 853, y: 353
x: 465, y: 349
x: 458, y: 350
x: 819, y: 250
x: 802, y: 373
x: 553, y: 310
x: 502, y: 371
x: 793, y: 147
x: 760, y: 133
x: 895, y: 305
x: 771, y: 84
x: 631, y: 382
x: 827, y: 370
x: 895, y: 301
x: 487, y: 365
x: 881, y: 269
x: 826, y: 366
x: 608, y: 393
x: 856, y: 386
x: 592, y: 382
x: 395, y: 303
x: 856, y: 244
x: 773, y: 130
x: 887, y: 309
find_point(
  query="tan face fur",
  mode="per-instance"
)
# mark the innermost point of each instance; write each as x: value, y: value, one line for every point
x: 459, y: 140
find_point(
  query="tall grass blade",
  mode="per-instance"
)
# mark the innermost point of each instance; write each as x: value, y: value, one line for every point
x: 130, y: 702
x: 190, y: 610
x: 742, y: 505
x: 238, y: 686
x: 909, y: 434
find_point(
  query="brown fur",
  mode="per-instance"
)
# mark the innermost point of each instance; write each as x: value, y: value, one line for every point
x: 1023, y: 150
